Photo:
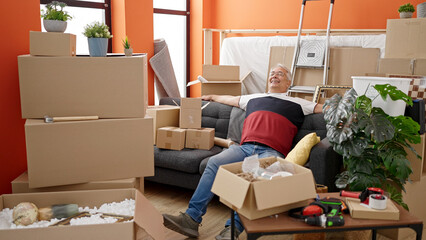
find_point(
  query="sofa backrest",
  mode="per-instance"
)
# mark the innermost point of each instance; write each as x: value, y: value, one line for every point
x: 215, y: 115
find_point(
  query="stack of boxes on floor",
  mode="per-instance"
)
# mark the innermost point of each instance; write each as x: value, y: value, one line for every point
x: 189, y: 134
x: 405, y: 54
x: 113, y: 152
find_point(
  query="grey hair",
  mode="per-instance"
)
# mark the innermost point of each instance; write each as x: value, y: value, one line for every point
x: 287, y: 74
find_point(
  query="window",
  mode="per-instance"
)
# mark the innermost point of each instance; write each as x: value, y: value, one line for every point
x: 83, y: 13
x: 171, y: 22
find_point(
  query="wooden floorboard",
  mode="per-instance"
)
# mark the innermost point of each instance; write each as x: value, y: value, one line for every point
x: 172, y: 200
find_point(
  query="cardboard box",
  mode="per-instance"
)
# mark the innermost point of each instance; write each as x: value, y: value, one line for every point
x: 344, y: 63
x: 403, y: 66
x: 417, y: 165
x: 359, y: 211
x: 163, y: 116
x: 108, y: 87
x: 260, y: 198
x: 200, y: 138
x: 190, y: 113
x: 147, y: 223
x: 405, y: 38
x: 72, y: 152
x: 171, y: 138
x: 21, y: 185
x: 220, y: 80
x: 52, y: 44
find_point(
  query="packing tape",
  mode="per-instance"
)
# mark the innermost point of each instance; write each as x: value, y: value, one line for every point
x: 169, y: 133
x: 377, y: 201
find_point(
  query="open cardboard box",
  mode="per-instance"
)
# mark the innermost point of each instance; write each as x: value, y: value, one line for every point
x: 263, y: 198
x: 21, y: 185
x: 147, y: 220
x: 62, y: 153
x: 220, y: 80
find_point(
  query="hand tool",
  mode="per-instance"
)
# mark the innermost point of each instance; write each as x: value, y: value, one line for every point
x: 364, y: 195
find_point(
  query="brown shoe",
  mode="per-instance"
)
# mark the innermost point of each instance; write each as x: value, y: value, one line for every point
x: 183, y: 224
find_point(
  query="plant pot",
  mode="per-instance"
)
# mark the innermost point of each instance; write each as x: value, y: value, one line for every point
x: 98, y: 47
x: 421, y: 10
x: 54, y: 25
x: 405, y: 15
x: 128, y: 52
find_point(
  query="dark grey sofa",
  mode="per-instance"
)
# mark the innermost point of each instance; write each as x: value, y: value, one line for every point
x: 184, y: 168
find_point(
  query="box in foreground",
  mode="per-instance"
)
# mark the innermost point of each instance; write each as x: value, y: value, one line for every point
x: 260, y: 198
x: 62, y: 153
x: 147, y: 220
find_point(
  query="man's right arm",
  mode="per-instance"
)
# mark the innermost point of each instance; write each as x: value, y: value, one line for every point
x: 225, y: 99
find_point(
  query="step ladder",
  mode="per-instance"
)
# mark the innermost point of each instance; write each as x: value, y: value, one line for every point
x: 313, y: 54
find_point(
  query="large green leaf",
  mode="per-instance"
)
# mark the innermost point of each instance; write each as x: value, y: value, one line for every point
x: 364, y: 103
x: 406, y: 129
x: 394, y: 93
x: 376, y: 125
x: 337, y: 108
x: 353, y: 147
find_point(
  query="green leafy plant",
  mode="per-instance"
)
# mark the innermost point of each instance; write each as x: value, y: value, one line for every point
x: 371, y: 142
x: 55, y: 11
x: 126, y: 43
x: 406, y: 8
x: 97, y: 30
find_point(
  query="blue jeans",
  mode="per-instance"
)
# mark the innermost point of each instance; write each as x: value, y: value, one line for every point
x: 202, y: 195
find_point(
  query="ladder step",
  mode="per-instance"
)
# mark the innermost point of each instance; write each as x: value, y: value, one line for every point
x: 302, y: 89
x: 311, y: 67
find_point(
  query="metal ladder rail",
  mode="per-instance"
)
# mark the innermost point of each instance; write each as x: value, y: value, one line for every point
x: 296, y: 50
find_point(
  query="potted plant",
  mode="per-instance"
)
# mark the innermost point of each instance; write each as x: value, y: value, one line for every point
x: 406, y: 10
x: 97, y: 35
x: 54, y: 17
x: 128, y: 50
x: 371, y: 142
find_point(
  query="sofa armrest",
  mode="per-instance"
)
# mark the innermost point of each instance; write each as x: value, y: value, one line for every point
x: 325, y: 164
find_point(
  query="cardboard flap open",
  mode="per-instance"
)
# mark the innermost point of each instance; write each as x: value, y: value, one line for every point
x: 284, y: 190
x: 246, y: 76
x: 228, y: 185
x: 148, y: 218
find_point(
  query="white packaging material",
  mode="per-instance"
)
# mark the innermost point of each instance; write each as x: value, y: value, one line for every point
x: 251, y: 164
x: 365, y: 85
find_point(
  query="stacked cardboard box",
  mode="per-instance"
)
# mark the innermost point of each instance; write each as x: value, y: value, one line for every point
x: 189, y: 134
x: 113, y: 151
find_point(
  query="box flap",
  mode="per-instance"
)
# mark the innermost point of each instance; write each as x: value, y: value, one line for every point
x: 221, y: 73
x: 229, y: 186
x: 148, y: 218
x: 186, y: 103
x: 246, y: 76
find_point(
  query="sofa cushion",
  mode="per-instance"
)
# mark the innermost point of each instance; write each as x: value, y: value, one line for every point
x: 312, y: 123
x: 185, y: 160
x: 300, y: 153
x: 236, y: 122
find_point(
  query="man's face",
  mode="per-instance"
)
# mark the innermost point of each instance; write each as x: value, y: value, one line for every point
x: 278, y: 82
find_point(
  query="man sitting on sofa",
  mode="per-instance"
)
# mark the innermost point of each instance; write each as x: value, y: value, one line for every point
x: 272, y: 120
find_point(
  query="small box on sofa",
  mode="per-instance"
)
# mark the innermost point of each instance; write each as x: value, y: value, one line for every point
x: 200, y: 138
x: 171, y: 138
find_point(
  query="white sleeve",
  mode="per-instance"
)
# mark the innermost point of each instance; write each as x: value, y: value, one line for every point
x: 307, y: 106
x: 244, y: 99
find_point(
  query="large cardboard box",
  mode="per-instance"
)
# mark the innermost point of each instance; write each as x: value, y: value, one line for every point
x: 52, y: 44
x: 190, y: 113
x: 21, y: 185
x: 359, y: 211
x: 163, y: 116
x: 405, y: 38
x: 171, y: 138
x: 417, y: 165
x: 147, y: 224
x: 220, y: 80
x: 403, y: 66
x: 344, y: 63
x: 200, y: 138
x: 263, y: 198
x: 108, y: 87
x: 62, y: 153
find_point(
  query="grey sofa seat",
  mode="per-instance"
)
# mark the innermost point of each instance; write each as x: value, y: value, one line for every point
x: 184, y: 168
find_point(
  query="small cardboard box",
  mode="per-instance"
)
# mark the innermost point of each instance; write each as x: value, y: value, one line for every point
x: 163, y: 116
x: 21, y: 185
x: 147, y: 224
x: 417, y: 165
x: 359, y: 211
x: 62, y: 153
x: 190, y: 113
x: 261, y: 198
x: 404, y: 66
x: 52, y: 44
x: 171, y: 138
x: 200, y: 138
x: 220, y: 80
x: 405, y: 38
x: 108, y: 87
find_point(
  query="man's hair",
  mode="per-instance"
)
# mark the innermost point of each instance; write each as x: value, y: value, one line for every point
x: 287, y: 73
